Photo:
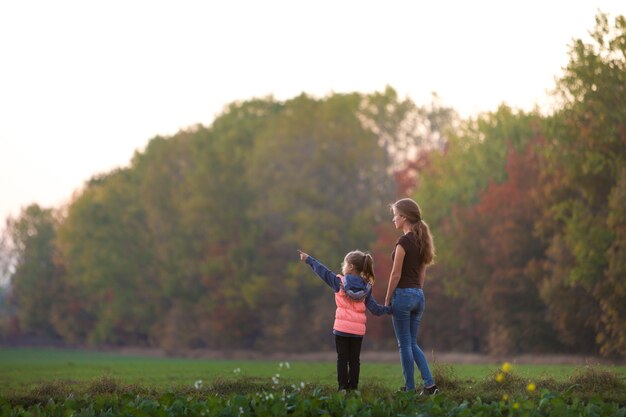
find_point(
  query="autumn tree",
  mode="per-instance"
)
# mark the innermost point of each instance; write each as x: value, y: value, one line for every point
x: 513, y: 310
x: 451, y: 185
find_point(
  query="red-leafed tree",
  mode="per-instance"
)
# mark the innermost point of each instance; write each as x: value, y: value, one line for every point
x: 513, y: 309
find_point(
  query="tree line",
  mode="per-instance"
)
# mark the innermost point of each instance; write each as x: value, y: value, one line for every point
x: 193, y: 245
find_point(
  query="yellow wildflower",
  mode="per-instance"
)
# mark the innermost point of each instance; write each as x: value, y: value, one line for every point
x: 500, y: 377
x: 506, y: 367
x: 515, y: 406
x: 531, y: 387
x: 505, y: 397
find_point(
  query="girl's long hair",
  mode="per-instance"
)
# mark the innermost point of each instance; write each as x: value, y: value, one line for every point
x: 411, y: 211
x: 364, y: 264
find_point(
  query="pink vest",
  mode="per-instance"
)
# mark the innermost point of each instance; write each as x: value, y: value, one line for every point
x: 350, y: 315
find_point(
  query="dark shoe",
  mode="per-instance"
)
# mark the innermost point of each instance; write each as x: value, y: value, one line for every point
x: 432, y: 390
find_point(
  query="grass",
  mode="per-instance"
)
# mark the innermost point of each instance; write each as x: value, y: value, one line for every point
x: 37, y: 374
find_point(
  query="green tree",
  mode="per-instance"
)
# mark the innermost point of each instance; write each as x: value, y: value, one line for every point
x: 109, y: 264
x: 36, y: 277
x: 404, y: 129
x: 612, y: 291
x: 584, y: 159
x: 318, y: 179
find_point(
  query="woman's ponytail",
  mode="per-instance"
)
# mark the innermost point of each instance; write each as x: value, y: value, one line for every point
x: 427, y: 247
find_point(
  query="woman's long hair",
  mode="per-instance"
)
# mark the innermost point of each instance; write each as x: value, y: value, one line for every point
x: 411, y: 211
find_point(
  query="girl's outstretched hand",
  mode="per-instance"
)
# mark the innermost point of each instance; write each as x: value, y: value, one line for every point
x: 303, y: 255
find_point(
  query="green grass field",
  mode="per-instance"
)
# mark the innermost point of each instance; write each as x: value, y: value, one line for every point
x: 38, y: 382
x: 25, y: 368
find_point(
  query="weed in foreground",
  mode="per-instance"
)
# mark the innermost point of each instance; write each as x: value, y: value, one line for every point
x: 501, y: 381
x: 445, y: 377
x: 105, y: 385
x: 597, y: 380
x: 53, y: 389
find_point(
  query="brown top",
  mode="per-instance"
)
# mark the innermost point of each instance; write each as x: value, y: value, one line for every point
x: 410, y: 276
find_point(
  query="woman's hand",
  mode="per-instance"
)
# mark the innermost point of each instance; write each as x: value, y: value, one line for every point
x: 303, y: 256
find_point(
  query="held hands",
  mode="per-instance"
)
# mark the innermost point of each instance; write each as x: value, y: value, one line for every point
x: 303, y: 256
x: 389, y: 306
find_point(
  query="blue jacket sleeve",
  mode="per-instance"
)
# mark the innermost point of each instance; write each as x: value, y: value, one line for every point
x: 328, y: 276
x: 375, y: 308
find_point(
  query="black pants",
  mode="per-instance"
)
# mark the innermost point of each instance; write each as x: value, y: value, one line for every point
x: 348, y: 361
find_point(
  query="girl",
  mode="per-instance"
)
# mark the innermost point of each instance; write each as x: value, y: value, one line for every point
x: 413, y: 252
x: 353, y: 293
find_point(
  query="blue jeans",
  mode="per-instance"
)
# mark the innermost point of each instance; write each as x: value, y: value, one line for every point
x: 408, y: 306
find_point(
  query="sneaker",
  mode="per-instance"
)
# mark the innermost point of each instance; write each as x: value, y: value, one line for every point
x: 432, y: 390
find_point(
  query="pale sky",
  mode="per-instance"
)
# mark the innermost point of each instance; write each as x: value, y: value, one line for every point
x: 83, y: 84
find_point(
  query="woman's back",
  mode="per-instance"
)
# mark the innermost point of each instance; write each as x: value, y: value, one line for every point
x: 412, y: 263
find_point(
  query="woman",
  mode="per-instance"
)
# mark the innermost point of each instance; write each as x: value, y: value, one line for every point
x: 414, y: 251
